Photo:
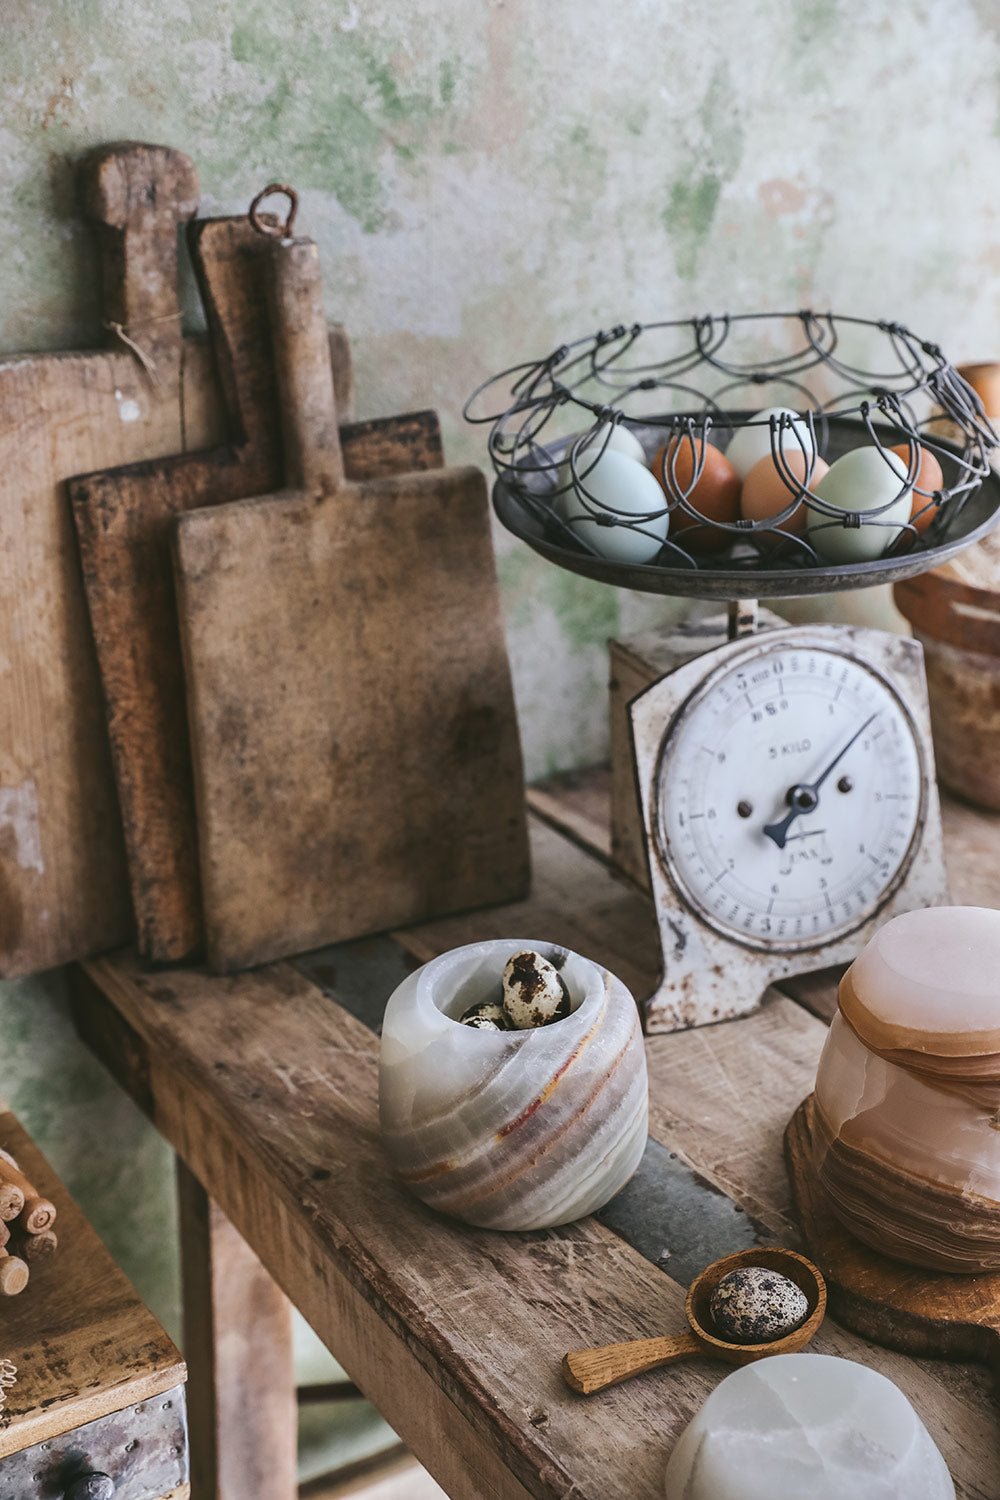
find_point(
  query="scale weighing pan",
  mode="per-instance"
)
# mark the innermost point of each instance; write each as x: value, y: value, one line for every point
x: 750, y: 574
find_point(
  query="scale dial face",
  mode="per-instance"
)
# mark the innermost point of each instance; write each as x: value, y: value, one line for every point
x: 790, y: 791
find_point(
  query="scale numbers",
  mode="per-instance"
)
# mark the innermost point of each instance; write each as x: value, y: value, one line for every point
x: 789, y: 793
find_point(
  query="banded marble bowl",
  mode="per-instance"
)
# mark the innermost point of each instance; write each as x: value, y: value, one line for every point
x: 512, y: 1130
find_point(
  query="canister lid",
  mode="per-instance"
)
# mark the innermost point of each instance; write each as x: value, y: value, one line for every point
x: 926, y: 991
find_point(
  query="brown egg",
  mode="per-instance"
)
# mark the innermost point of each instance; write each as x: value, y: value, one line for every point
x: 766, y: 492
x: 716, y: 496
x: 929, y: 478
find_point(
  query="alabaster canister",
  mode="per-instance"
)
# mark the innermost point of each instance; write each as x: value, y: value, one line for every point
x: 807, y: 1427
x: 907, y: 1101
x: 512, y: 1129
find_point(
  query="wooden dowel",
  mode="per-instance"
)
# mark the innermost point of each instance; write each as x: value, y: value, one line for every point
x: 11, y: 1201
x: 36, y: 1213
x: 36, y: 1247
x: 13, y: 1274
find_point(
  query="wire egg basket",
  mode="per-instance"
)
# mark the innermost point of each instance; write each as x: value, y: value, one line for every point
x: 673, y: 396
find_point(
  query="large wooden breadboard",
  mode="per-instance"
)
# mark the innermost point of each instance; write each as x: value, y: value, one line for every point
x: 900, y: 1306
x: 357, y: 761
x: 63, y: 887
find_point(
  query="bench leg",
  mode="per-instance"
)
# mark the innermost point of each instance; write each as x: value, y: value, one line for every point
x: 238, y: 1345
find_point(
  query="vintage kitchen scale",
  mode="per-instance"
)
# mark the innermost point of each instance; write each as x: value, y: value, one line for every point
x: 785, y: 777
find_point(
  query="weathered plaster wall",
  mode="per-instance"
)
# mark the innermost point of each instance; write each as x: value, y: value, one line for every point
x: 487, y: 178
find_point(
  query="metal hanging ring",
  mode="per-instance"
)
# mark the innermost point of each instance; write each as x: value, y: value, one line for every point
x: 274, y: 231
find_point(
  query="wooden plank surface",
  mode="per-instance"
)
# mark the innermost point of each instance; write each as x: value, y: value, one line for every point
x: 83, y: 1342
x: 268, y: 1090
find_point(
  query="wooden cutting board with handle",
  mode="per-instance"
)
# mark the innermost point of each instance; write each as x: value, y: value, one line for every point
x: 63, y: 888
x: 356, y: 755
x: 123, y: 519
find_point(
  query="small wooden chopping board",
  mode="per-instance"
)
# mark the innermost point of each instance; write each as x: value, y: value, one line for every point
x: 900, y: 1306
x: 63, y: 887
x: 357, y: 762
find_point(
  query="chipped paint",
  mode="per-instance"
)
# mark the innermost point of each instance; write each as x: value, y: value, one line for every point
x: 20, y: 834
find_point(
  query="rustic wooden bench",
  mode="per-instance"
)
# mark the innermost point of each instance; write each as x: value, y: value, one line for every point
x: 265, y: 1084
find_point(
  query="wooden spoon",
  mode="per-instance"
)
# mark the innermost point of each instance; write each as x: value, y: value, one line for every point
x: 589, y: 1370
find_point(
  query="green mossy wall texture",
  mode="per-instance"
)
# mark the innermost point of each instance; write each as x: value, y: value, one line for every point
x: 487, y: 178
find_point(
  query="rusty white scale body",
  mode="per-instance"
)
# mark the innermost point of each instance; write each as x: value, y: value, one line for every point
x: 788, y: 806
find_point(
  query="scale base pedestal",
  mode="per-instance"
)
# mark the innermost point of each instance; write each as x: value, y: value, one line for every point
x: 899, y: 1306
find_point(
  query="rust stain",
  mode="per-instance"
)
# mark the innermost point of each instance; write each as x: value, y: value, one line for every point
x: 780, y: 196
x: 57, y: 100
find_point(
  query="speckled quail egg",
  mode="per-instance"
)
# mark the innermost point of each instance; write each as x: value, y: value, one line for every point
x: 753, y: 1305
x: 533, y: 991
x: 488, y: 1015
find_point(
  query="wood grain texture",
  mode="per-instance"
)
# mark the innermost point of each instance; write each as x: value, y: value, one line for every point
x: 922, y: 1312
x: 356, y: 749
x: 83, y: 1343
x: 355, y: 746
x: 242, y: 1415
x: 123, y: 517
x: 456, y: 1335
x: 137, y: 195
x: 63, y: 887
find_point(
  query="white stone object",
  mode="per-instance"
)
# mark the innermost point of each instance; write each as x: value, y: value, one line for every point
x: 750, y: 444
x: 807, y: 1427
x: 512, y: 1129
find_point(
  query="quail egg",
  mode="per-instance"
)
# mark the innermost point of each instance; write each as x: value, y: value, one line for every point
x: 533, y: 991
x: 753, y: 1305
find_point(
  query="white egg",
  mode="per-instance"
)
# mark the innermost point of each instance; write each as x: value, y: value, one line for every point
x: 613, y: 485
x: 614, y: 436
x: 750, y: 444
x: 860, y: 480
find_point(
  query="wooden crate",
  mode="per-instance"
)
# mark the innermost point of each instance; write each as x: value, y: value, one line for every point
x: 100, y: 1386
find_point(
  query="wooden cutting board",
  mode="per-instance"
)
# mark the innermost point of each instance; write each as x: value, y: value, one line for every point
x: 63, y: 889
x: 903, y: 1307
x: 357, y: 763
x: 123, y: 519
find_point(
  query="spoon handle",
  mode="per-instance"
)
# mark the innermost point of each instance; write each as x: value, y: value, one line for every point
x: 589, y: 1370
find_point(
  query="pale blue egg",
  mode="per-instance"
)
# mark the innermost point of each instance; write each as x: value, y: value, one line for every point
x: 862, y: 480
